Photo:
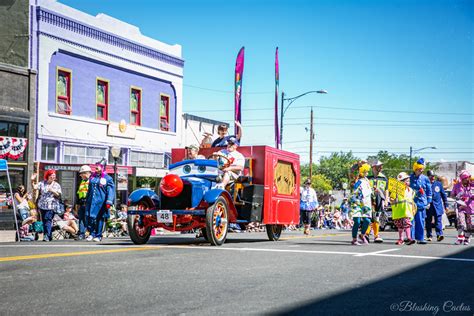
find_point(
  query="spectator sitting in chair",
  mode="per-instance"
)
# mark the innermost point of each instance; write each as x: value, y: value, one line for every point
x: 20, y: 198
x: 235, y: 160
x: 122, y: 217
x: 68, y: 221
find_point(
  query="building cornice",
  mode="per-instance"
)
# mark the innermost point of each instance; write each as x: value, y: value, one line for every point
x: 106, y: 54
x: 105, y: 37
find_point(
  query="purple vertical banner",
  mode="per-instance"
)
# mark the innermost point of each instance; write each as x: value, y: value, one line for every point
x: 239, y: 71
x: 277, y: 83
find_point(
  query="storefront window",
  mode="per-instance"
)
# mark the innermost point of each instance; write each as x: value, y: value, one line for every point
x: 83, y: 155
x: 13, y: 141
x: 4, y: 128
x: 147, y: 160
x: 12, y: 129
x: 48, y: 151
x: 17, y: 177
x: 22, y: 130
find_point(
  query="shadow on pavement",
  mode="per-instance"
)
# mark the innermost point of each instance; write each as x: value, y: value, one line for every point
x: 430, y: 286
x: 175, y: 241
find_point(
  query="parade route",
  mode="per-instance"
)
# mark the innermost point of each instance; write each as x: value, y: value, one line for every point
x: 179, y: 274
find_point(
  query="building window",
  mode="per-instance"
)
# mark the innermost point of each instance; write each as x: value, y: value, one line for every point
x: 135, y: 106
x: 13, y: 129
x: 83, y: 155
x: 147, y: 160
x: 13, y: 141
x: 164, y: 112
x: 63, y: 92
x: 102, y: 100
x: 48, y: 151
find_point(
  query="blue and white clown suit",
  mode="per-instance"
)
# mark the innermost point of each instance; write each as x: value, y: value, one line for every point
x: 100, y: 198
x: 423, y: 196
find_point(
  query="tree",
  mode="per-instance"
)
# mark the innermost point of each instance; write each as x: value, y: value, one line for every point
x: 321, y: 183
x: 333, y: 171
x: 336, y: 168
x: 318, y: 181
x: 393, y: 164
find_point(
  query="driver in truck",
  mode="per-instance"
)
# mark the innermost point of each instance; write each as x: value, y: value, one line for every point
x: 235, y: 162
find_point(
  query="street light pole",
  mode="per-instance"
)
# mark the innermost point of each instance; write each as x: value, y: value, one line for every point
x: 115, y: 151
x: 291, y: 100
x: 311, y: 146
x: 115, y: 180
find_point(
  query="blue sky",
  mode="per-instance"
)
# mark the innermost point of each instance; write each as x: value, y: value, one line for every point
x: 398, y: 73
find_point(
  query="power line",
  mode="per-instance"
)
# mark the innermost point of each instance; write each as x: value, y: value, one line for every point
x: 366, y: 124
x: 352, y: 119
x: 384, y: 141
x: 376, y: 152
x: 352, y: 147
x: 341, y: 108
x: 226, y: 91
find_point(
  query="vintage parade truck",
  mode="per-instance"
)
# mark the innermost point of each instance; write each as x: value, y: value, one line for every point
x: 190, y: 198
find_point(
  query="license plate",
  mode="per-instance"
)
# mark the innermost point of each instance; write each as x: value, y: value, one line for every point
x: 164, y: 216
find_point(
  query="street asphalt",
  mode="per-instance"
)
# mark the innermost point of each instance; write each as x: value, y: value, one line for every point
x: 182, y: 275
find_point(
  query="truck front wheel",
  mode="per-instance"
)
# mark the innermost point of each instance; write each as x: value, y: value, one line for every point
x: 217, y: 222
x: 138, y: 232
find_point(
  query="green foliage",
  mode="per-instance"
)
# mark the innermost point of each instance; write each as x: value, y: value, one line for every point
x: 333, y: 171
x: 334, y: 168
x: 394, y: 164
x: 320, y: 183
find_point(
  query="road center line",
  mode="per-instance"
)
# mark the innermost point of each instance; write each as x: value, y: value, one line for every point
x: 71, y: 254
x: 376, y: 252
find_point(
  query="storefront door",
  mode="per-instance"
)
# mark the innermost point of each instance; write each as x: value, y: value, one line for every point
x: 67, y: 180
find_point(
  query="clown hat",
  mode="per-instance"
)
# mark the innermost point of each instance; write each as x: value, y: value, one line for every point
x: 419, y: 164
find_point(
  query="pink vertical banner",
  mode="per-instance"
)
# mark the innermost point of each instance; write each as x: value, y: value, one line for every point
x: 277, y: 83
x: 239, y: 71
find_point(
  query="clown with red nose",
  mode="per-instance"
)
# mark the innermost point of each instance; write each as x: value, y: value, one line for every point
x: 100, y: 197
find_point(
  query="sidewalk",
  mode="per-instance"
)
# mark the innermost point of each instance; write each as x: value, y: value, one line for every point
x: 7, y: 235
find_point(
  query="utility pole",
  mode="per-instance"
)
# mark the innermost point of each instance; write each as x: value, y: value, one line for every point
x: 311, y: 146
x: 411, y: 150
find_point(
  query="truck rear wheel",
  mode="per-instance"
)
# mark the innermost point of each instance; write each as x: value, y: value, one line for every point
x: 274, y: 231
x: 217, y: 222
x: 139, y: 233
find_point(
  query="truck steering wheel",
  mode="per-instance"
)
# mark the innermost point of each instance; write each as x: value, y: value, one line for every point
x: 217, y: 156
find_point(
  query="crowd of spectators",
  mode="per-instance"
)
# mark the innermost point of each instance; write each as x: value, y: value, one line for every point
x: 32, y: 222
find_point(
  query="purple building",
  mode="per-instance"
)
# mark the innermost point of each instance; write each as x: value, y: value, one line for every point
x: 102, y: 84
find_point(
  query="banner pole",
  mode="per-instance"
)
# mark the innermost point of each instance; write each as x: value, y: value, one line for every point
x: 14, y: 206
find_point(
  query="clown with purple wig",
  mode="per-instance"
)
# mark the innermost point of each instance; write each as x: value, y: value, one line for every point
x: 100, y: 197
